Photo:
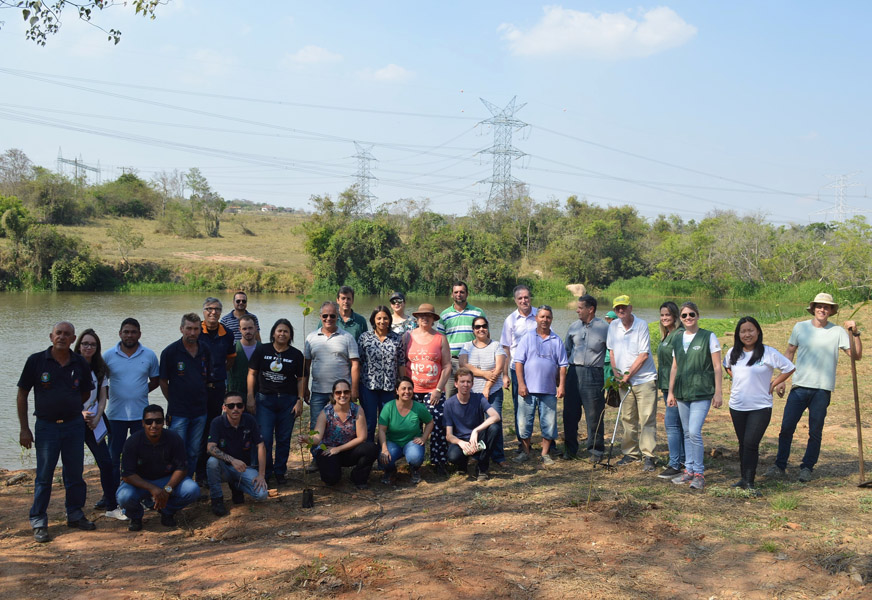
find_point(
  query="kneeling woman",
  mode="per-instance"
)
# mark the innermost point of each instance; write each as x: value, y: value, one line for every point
x: 341, y: 427
x: 403, y: 428
x: 751, y: 365
x: 695, y: 387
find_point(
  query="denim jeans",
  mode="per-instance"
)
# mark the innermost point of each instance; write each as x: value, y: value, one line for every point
x: 218, y: 471
x: 372, y: 402
x: 514, y: 378
x: 100, y: 451
x: 496, y: 402
x: 674, y: 434
x: 489, y: 436
x: 118, y: 431
x: 185, y: 493
x: 191, y: 429
x: 750, y: 425
x: 317, y: 402
x: 414, y: 454
x: 584, y: 389
x: 693, y: 415
x: 275, y: 418
x: 53, y: 441
x: 546, y: 406
x: 799, y: 399
x: 361, y: 458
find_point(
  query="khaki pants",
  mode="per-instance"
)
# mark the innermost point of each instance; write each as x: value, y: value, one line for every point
x: 639, y: 419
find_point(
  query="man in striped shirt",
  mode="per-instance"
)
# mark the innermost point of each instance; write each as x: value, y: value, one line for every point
x: 456, y: 323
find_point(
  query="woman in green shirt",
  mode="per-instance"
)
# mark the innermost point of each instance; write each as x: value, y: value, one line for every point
x: 403, y: 429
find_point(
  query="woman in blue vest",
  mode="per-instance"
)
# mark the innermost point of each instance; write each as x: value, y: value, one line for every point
x: 694, y: 387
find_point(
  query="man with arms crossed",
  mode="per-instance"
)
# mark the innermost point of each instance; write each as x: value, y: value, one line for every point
x: 814, y: 348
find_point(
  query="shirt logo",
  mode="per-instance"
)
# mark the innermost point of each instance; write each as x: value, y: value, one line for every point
x: 45, y: 377
x: 697, y: 347
x: 180, y: 366
x: 276, y: 365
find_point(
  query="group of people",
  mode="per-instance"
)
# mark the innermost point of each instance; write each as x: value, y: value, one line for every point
x: 425, y: 378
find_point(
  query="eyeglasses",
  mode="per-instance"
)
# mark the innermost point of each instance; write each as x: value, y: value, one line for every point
x: 210, y: 309
x: 479, y: 326
x: 153, y: 421
x: 689, y: 315
x: 88, y: 345
x: 232, y: 405
x: 327, y: 317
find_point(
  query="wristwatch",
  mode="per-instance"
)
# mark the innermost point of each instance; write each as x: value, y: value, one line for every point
x: 168, y: 489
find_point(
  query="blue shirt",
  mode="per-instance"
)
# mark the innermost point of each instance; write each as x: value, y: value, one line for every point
x: 463, y: 418
x: 128, y: 381
x: 231, y: 324
x: 541, y: 359
x: 187, y: 376
x: 221, y: 346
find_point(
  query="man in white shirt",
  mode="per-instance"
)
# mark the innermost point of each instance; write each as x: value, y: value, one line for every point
x: 629, y: 344
x: 516, y: 325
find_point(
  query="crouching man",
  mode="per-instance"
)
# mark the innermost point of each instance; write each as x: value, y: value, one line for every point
x: 469, y: 418
x: 154, y: 463
x: 232, y: 435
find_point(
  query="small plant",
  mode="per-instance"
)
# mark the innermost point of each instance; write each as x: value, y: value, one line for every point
x: 305, y: 302
x: 782, y: 502
x: 769, y: 546
x: 865, y: 504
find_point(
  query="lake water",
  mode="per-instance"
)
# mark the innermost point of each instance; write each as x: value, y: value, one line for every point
x: 26, y: 320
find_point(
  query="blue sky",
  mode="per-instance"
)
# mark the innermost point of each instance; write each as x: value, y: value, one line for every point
x: 682, y: 107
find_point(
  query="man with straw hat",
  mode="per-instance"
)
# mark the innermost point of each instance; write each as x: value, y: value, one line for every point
x: 814, y: 349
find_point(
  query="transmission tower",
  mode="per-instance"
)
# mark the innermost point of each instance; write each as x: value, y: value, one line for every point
x: 77, y: 164
x: 364, y: 174
x: 840, y: 209
x: 504, y: 124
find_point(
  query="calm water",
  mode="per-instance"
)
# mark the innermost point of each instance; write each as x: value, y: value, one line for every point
x: 26, y: 321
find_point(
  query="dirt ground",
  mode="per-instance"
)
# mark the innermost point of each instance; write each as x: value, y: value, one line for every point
x: 530, y: 532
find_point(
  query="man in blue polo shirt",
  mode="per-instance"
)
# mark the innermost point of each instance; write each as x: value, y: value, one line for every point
x: 184, y: 373
x: 61, y: 381
x: 133, y: 373
x: 469, y: 418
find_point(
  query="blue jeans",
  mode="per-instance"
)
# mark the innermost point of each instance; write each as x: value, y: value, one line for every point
x: 799, y: 399
x: 117, y: 436
x: 674, y: 434
x: 693, y: 415
x: 372, y: 401
x: 496, y: 402
x: 514, y: 378
x: 317, y: 402
x: 546, y: 406
x: 275, y: 418
x: 191, y: 429
x: 100, y: 451
x: 53, y: 441
x: 218, y: 471
x: 129, y: 496
x: 584, y: 389
x: 413, y: 452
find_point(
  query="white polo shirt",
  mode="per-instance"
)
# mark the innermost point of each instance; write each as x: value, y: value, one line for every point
x: 625, y: 345
x: 515, y: 327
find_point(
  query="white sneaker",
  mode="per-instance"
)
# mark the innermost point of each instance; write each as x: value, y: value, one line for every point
x: 118, y: 513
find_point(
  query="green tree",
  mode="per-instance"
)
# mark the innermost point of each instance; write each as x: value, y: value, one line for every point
x: 209, y: 203
x: 127, y: 196
x: 126, y: 240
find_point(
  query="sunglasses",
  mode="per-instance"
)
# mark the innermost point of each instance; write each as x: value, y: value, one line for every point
x: 233, y: 405
x: 342, y: 393
x: 153, y: 421
x: 241, y: 301
x: 397, y: 301
x: 688, y: 315
x: 479, y: 326
x: 327, y: 317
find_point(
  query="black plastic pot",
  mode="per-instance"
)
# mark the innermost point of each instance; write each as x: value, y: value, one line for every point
x: 308, y: 498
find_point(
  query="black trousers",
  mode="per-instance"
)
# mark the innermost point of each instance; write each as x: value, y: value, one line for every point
x: 750, y: 425
x: 214, y: 403
x: 361, y: 457
x: 584, y: 389
x: 457, y: 457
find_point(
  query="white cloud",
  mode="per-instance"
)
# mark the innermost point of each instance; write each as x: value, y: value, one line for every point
x: 310, y: 55
x: 204, y: 66
x: 567, y: 32
x: 390, y: 72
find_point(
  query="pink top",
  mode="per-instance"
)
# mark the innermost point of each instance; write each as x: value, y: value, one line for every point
x: 425, y: 363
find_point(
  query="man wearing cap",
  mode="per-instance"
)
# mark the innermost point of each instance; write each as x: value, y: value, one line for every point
x: 456, y: 323
x: 629, y: 343
x: 814, y: 348
x: 516, y: 326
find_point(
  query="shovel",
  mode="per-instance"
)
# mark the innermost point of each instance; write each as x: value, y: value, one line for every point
x: 608, y: 466
x: 863, y: 482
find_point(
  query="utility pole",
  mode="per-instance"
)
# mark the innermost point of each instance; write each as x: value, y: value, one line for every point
x: 77, y: 164
x: 364, y: 175
x: 840, y: 209
x: 504, y: 124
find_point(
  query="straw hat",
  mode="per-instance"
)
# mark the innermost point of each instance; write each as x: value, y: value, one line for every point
x: 823, y: 298
x: 426, y: 309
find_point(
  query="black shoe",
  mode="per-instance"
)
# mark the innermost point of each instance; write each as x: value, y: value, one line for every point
x: 669, y: 473
x: 101, y: 504
x: 237, y: 495
x: 280, y: 479
x: 648, y: 464
x: 742, y: 484
x: 441, y: 471
x: 554, y: 449
x: 84, y: 524
x: 596, y: 459
x: 416, y: 475
x: 135, y: 525
x: 627, y: 460
x: 218, y: 508
x: 362, y: 486
x: 167, y: 520
x: 40, y: 534
x: 568, y: 456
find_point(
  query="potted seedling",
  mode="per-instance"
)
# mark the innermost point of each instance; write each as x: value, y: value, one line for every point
x: 306, y: 441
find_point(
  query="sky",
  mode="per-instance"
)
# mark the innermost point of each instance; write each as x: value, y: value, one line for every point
x: 679, y: 108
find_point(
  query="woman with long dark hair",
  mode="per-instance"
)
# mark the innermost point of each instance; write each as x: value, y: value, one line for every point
x: 275, y: 371
x: 751, y: 365
x: 88, y: 345
x: 671, y: 420
x: 382, y: 363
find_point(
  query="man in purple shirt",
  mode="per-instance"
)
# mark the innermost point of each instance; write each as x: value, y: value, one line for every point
x: 540, y: 365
